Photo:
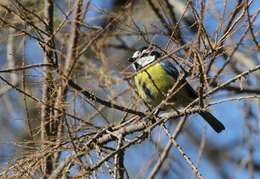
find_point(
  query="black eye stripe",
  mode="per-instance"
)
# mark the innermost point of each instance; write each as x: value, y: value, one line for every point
x: 156, y: 54
x: 153, y: 53
x: 144, y: 55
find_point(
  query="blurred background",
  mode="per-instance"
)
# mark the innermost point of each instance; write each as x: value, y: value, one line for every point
x: 44, y: 121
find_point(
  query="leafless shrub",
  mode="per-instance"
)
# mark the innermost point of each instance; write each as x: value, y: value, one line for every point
x: 65, y: 73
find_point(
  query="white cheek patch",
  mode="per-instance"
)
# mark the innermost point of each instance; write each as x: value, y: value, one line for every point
x: 136, y: 54
x: 145, y: 60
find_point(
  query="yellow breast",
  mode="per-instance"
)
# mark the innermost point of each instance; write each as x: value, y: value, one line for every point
x: 153, y: 83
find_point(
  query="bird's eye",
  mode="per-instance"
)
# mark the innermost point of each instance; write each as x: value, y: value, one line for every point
x: 156, y: 54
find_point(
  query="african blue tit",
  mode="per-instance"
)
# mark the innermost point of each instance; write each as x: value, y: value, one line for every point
x: 154, y: 80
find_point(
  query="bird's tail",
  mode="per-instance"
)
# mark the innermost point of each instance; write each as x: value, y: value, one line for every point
x: 213, y: 121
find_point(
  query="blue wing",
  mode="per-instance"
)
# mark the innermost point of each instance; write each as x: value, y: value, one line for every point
x: 171, y: 70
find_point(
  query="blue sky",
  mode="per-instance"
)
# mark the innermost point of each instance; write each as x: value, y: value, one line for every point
x: 138, y: 156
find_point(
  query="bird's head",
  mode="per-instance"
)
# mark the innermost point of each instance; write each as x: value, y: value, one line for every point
x: 143, y: 57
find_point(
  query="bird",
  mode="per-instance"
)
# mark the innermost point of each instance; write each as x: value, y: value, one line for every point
x: 154, y: 79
